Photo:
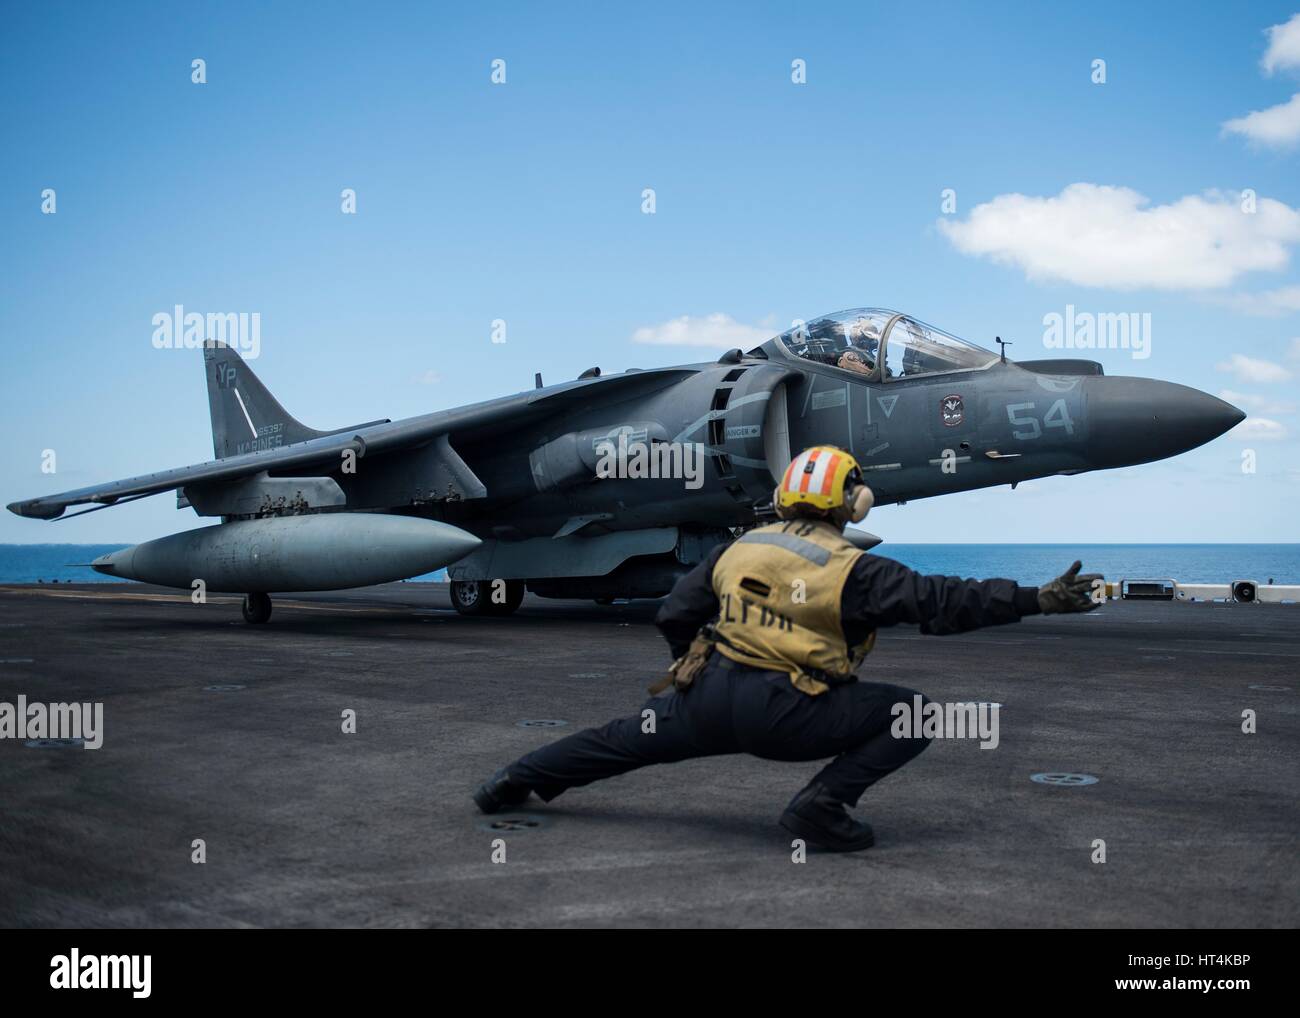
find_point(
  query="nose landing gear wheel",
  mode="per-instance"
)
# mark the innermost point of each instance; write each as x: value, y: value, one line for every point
x: 257, y: 608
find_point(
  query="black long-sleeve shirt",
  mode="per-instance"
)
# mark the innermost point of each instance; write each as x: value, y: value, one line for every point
x: 879, y: 592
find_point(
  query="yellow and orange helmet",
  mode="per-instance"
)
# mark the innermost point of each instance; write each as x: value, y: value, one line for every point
x: 826, y: 481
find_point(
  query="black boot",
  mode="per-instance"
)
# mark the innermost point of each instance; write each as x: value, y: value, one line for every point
x: 500, y: 791
x: 816, y: 816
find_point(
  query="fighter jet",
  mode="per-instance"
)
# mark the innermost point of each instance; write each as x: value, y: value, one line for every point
x: 613, y: 486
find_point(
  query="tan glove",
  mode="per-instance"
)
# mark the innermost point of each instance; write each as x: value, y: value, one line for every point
x: 1069, y: 592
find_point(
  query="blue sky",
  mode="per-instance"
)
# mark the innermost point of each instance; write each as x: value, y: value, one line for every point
x: 522, y: 202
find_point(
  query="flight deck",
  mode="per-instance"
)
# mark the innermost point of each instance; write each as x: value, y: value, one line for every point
x: 232, y: 735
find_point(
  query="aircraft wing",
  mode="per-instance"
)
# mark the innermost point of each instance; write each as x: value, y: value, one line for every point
x: 322, y: 454
x: 304, y: 454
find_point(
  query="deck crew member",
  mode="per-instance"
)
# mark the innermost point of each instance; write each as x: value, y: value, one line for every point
x: 767, y: 635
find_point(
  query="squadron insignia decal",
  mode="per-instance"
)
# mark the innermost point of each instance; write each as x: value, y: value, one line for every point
x: 952, y: 410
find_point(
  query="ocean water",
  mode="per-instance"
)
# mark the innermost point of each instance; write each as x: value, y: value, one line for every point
x: 44, y: 563
x: 1025, y: 563
x: 1038, y: 563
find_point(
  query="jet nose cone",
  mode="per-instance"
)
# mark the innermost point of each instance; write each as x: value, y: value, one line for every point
x: 1137, y: 420
x: 1231, y: 415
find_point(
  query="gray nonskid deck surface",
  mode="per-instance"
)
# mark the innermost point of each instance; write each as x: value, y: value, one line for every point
x: 307, y: 826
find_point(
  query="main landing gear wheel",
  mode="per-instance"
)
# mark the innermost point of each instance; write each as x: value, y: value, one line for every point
x: 485, y: 597
x: 257, y: 608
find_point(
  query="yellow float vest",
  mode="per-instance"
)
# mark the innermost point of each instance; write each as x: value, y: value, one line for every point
x: 779, y: 590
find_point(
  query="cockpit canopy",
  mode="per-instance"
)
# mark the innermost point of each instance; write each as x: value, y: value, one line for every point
x: 863, y: 340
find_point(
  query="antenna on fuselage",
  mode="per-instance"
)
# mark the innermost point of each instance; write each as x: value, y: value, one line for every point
x: 1003, y: 344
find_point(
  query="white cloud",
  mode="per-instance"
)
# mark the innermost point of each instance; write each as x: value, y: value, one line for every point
x: 717, y: 330
x: 1256, y: 403
x: 1095, y: 235
x: 1251, y: 369
x: 1272, y: 303
x: 1277, y: 127
x: 1283, y: 46
x: 429, y: 378
x: 1256, y: 429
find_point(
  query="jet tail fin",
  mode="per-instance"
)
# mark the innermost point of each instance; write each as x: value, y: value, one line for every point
x: 245, y: 416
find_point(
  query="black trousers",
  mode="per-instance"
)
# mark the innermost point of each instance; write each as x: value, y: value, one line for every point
x: 732, y: 708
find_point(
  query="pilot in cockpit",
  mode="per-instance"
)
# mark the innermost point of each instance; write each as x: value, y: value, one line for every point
x: 856, y: 360
x: 863, y: 338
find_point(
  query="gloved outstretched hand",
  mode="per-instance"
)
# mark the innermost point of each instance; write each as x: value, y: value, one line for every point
x: 1069, y: 592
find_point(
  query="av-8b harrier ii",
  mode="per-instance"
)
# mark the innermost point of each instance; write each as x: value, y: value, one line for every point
x: 613, y: 486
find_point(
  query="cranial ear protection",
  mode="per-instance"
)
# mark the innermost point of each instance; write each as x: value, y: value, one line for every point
x: 776, y: 502
x: 860, y: 502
